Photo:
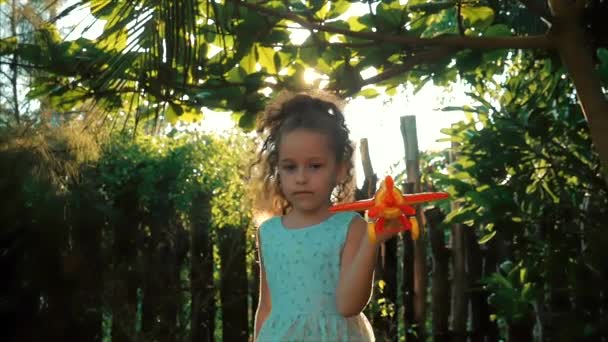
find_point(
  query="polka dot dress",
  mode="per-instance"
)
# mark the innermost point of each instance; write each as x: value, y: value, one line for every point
x: 302, y: 270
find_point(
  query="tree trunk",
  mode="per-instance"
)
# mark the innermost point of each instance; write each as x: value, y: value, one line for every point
x: 440, y: 292
x: 202, y: 322
x: 574, y: 46
x: 233, y: 291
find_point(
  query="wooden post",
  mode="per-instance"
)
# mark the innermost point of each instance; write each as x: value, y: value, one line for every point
x: 202, y: 318
x: 254, y: 289
x: 477, y: 297
x: 491, y: 260
x: 407, y: 286
x: 440, y: 292
x: 412, y: 165
x: 233, y: 287
x: 368, y: 170
x: 459, y: 275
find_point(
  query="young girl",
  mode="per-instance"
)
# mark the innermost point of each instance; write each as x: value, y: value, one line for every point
x: 316, y: 267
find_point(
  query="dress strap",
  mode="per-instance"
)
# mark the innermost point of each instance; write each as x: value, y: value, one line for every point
x: 343, y: 221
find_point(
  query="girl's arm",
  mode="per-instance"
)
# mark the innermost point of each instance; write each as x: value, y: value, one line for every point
x: 356, y: 270
x: 264, y: 303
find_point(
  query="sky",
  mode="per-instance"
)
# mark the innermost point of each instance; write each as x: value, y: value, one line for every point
x: 378, y: 119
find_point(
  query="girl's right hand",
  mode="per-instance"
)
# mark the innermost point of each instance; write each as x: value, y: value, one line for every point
x: 391, y: 230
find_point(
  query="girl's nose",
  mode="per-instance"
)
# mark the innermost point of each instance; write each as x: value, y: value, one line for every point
x: 301, y: 176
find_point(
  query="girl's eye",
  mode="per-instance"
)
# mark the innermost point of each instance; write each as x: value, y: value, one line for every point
x: 288, y: 167
x: 316, y: 166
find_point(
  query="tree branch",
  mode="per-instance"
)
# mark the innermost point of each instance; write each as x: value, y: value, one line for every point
x: 427, y: 57
x: 4, y: 74
x: 528, y: 42
x: 26, y: 66
x: 326, y: 44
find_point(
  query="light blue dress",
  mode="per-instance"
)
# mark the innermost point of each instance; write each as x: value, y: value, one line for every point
x: 302, y: 270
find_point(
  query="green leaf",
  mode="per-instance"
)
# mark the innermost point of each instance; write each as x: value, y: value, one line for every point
x: 102, y: 8
x: 532, y: 188
x: 191, y: 115
x: 480, y: 17
x: 266, y: 59
x: 173, y: 113
x: 389, y: 14
x: 548, y: 190
x: 36, y: 55
x: 247, y: 121
x: 501, y: 280
x: 355, y: 24
x: 337, y: 8
x: 281, y: 60
x: 39, y: 89
x: 323, y: 10
x: 523, y: 272
x: 454, y: 109
x: 116, y: 41
x: 499, y: 30
x: 310, y: 55
x: 487, y: 237
x: 431, y: 7
x: 254, y: 81
x: 461, y: 215
x: 248, y: 63
x: 8, y: 45
x: 506, y: 267
x: 236, y: 75
x: 441, y: 23
x: 391, y: 91
x: 479, y: 198
x: 369, y: 93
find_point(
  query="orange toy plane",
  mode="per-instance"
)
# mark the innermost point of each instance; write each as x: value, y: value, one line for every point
x: 389, y: 203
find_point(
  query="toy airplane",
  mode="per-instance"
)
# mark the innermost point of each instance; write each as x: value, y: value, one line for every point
x: 389, y: 203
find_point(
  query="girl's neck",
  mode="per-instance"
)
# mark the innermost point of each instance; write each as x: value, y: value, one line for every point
x: 296, y: 219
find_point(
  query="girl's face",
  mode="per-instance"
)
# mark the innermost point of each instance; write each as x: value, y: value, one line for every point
x: 308, y: 170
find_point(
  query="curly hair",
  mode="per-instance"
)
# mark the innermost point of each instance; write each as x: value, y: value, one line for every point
x: 318, y: 112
